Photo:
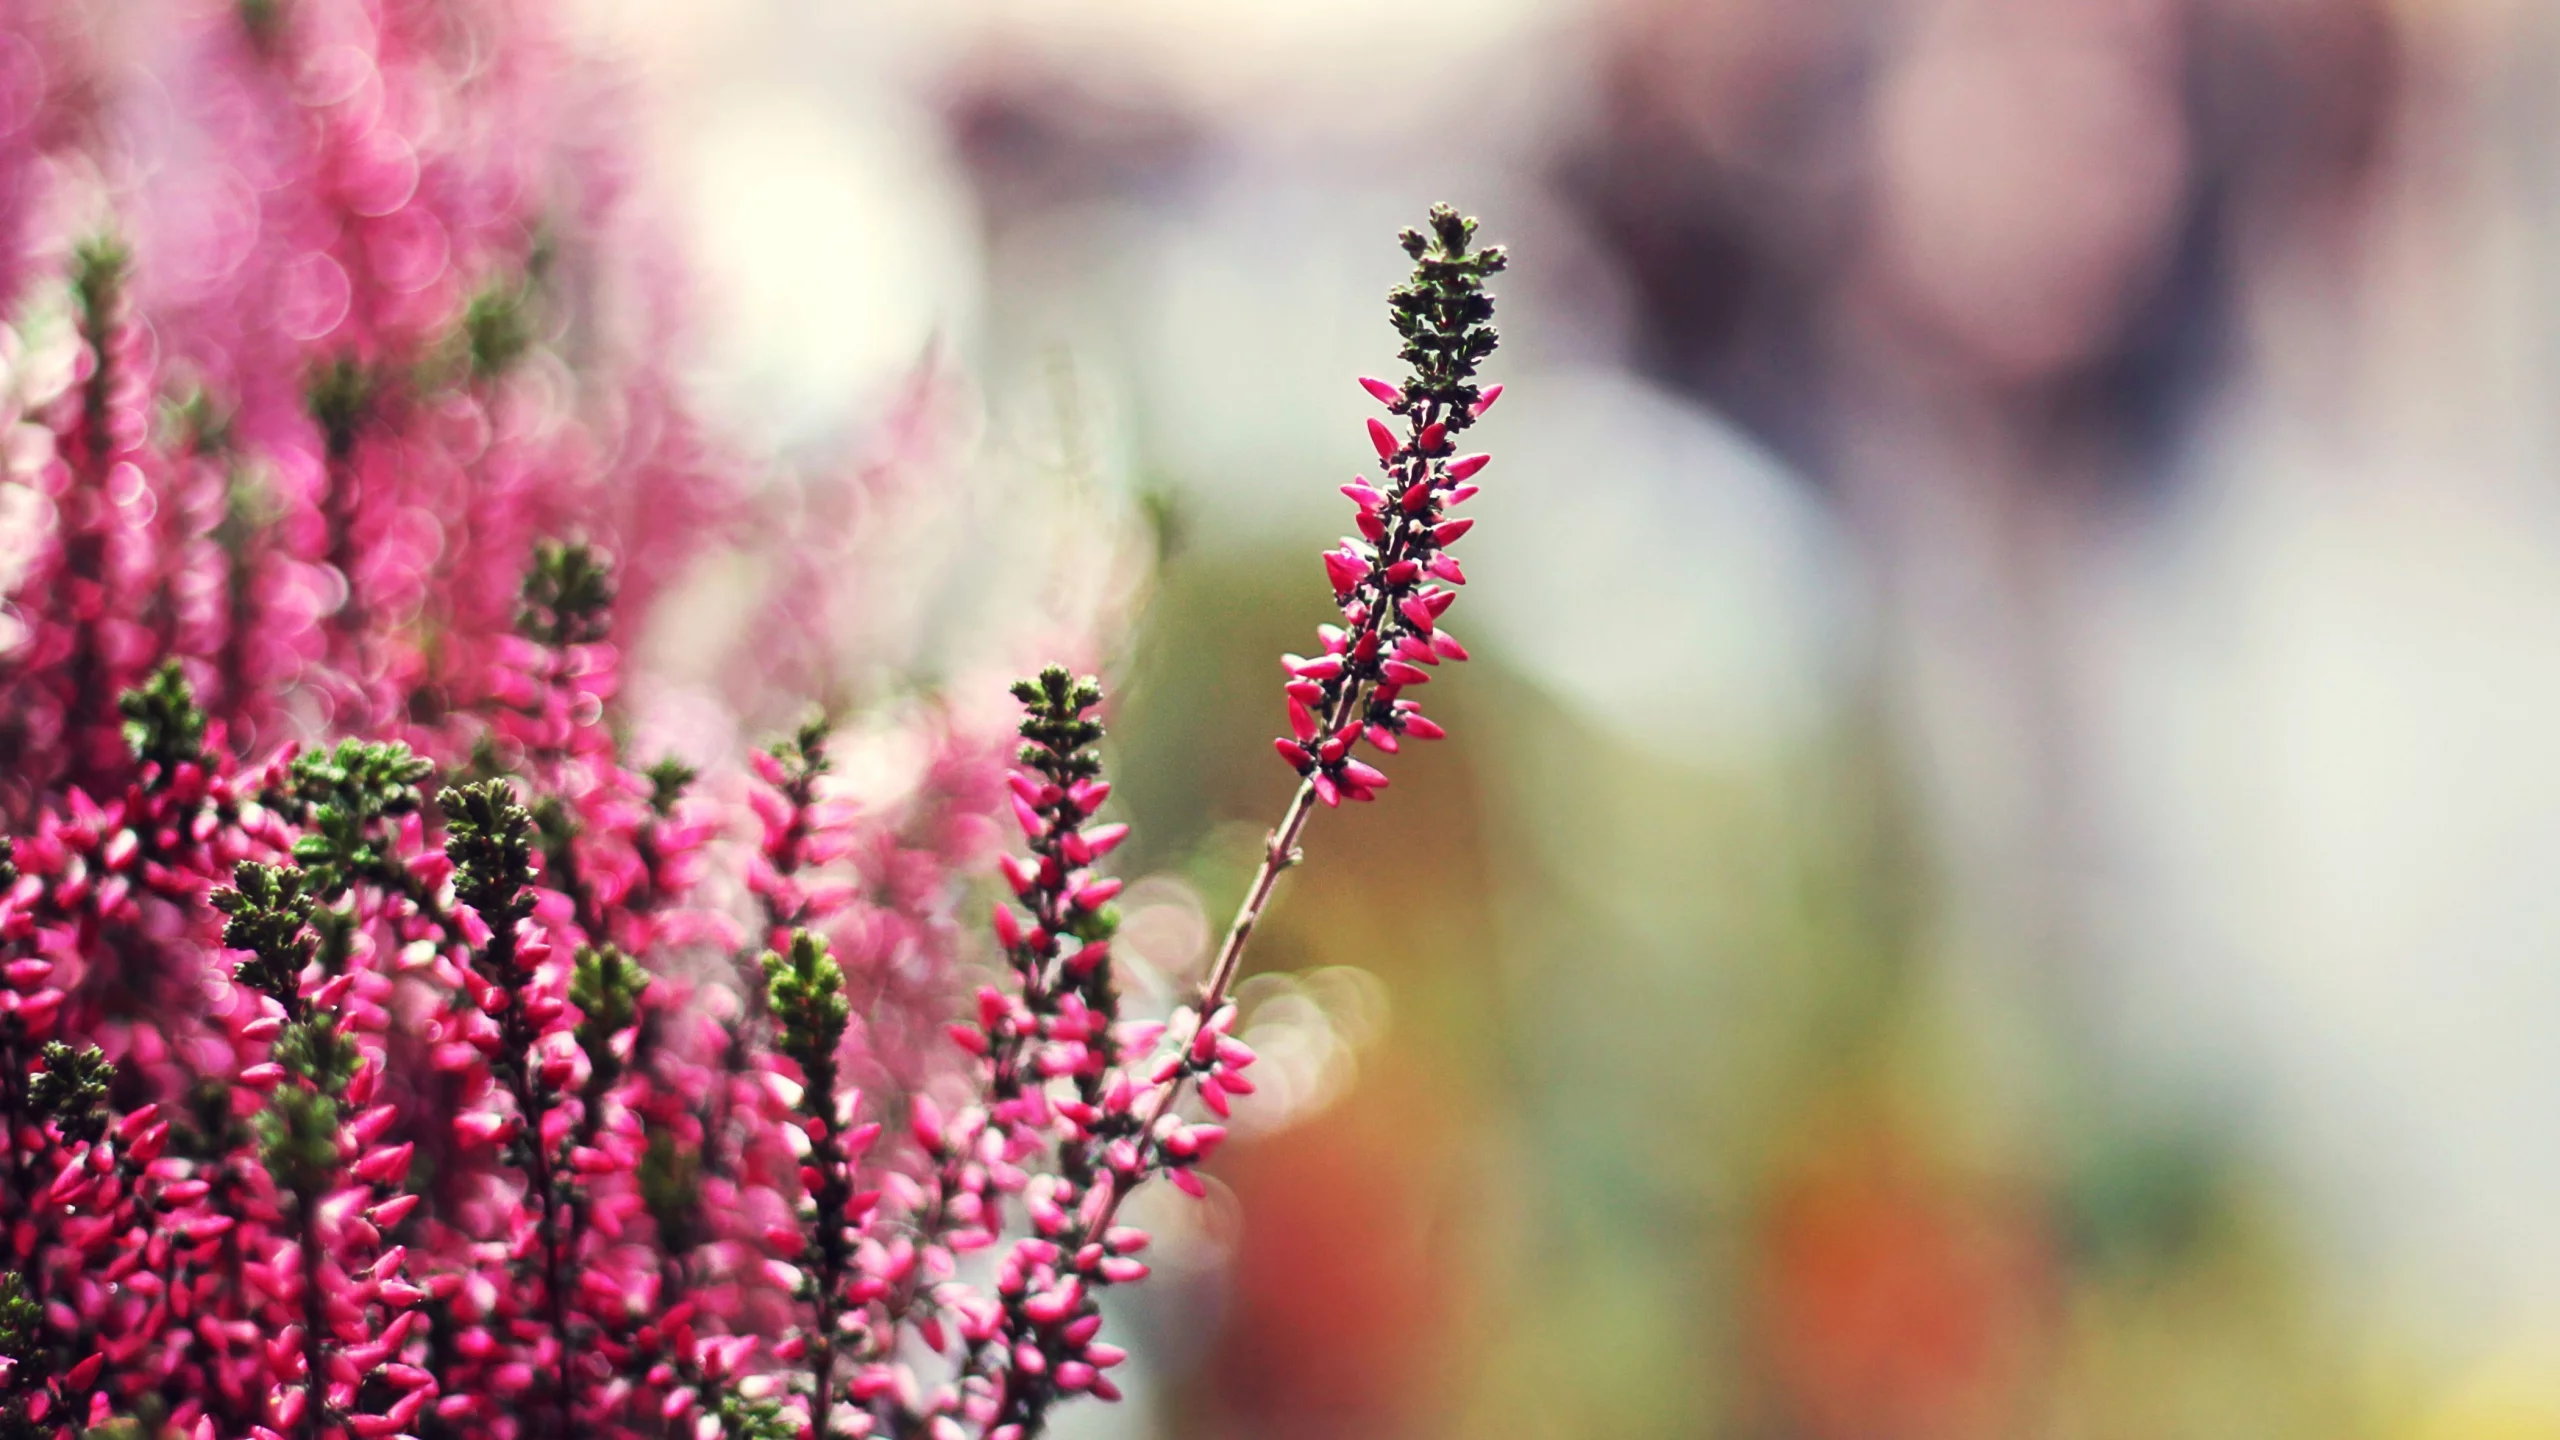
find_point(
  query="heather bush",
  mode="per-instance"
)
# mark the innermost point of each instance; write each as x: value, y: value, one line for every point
x: 387, y: 1046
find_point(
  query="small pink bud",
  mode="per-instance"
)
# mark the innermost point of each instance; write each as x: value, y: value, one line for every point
x: 384, y: 1166
x: 1018, y: 873
x: 1467, y: 465
x: 1485, y: 401
x: 1386, y: 394
x: 1384, y: 439
x: 1447, y: 531
x: 1344, y: 570
x: 925, y: 1121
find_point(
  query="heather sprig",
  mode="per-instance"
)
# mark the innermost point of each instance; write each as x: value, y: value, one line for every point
x: 163, y: 725
x: 805, y: 995
x: 568, y: 596
x: 1353, y: 691
x: 489, y: 837
x: 343, y: 797
x: 1056, y: 792
x: 70, y: 1092
x: 270, y: 920
x: 1392, y: 583
x: 334, y: 1112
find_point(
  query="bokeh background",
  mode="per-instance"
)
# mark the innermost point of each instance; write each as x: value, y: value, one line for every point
x: 1998, y: 872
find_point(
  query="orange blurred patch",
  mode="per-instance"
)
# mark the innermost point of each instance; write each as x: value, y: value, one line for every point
x: 1344, y: 1290
x: 1898, y: 1304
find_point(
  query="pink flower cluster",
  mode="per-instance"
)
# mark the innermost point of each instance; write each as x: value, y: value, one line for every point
x: 386, y: 1050
x: 366, y: 230
x: 1391, y: 580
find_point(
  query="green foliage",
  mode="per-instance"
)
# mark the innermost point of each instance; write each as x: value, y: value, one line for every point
x: 744, y: 1419
x: 22, y: 1345
x: 197, y: 423
x: 497, y: 329
x: 671, y: 1188
x: 340, y: 394
x: 312, y: 1050
x: 21, y: 1318
x: 806, y: 992
x: 100, y: 266
x: 341, y: 797
x: 270, y: 918
x: 605, y: 986
x: 298, y: 1137
x: 263, y: 22
x: 803, y: 757
x: 490, y: 839
x: 163, y: 725
x: 205, y: 1127
x: 71, y: 1091
x: 556, y: 831
x: 568, y: 595
x: 1059, y: 734
x: 668, y: 780
x: 1442, y: 313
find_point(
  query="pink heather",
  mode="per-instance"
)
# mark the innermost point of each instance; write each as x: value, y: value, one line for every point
x: 362, y: 1076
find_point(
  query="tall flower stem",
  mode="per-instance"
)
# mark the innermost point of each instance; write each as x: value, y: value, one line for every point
x: 1392, y: 625
x: 1280, y: 854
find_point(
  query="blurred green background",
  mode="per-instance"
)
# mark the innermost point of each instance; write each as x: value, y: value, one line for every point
x: 1994, y: 874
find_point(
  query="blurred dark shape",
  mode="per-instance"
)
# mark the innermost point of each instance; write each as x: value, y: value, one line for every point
x: 2047, y: 202
x: 1036, y: 137
x: 1722, y: 177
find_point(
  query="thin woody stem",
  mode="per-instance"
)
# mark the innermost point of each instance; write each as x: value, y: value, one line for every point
x: 1281, y: 854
